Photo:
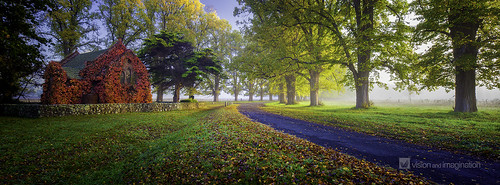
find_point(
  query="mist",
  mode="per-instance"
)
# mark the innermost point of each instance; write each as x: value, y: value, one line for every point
x: 484, y: 96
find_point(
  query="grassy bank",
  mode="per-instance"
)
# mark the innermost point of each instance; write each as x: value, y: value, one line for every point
x: 195, y: 146
x: 435, y: 126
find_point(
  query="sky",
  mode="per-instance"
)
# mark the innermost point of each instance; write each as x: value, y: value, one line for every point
x: 224, y: 9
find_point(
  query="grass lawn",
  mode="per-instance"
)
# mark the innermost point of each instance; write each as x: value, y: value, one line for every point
x: 435, y: 126
x: 177, y: 147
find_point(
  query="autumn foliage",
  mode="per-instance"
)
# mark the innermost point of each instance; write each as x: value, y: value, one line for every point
x: 58, y: 89
x: 102, y: 77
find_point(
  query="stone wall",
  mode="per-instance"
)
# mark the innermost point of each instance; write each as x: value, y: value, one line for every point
x: 37, y: 110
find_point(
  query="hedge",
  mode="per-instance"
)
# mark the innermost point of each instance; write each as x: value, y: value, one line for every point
x: 37, y: 110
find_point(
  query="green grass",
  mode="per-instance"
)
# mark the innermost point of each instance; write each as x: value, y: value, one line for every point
x: 76, y: 148
x: 436, y: 126
x: 177, y: 147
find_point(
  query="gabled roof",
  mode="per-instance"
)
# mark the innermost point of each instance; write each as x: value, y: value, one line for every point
x: 74, y: 64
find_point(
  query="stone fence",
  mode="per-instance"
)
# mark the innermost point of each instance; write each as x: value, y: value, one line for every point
x: 37, y: 110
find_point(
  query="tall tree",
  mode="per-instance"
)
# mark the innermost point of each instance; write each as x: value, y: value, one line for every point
x: 71, y: 23
x: 203, y: 29
x: 466, y: 35
x: 173, y: 62
x: 209, y: 66
x: 20, y: 43
x: 250, y: 86
x: 214, y: 33
x: 235, y: 85
x: 236, y: 45
x: 125, y: 19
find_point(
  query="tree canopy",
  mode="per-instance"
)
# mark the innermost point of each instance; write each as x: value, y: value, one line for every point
x: 172, y: 62
x: 125, y: 19
x: 71, y: 23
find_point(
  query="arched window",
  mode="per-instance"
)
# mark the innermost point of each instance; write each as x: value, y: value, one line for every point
x: 128, y: 76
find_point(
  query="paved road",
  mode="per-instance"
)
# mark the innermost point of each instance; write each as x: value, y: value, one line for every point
x: 439, y: 166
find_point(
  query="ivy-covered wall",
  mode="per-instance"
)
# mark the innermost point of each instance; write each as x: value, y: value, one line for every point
x: 36, y: 110
x: 106, y: 73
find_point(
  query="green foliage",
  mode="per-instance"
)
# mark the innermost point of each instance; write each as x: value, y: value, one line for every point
x: 358, y: 35
x: 331, y: 79
x: 172, y: 61
x: 217, y: 146
x: 176, y: 16
x: 477, y: 133
x: 464, y: 54
x: 215, y: 33
x: 71, y: 23
x: 437, y: 66
x: 19, y: 44
x: 125, y: 19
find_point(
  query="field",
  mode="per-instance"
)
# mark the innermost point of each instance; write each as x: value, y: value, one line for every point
x: 195, y: 146
x: 435, y: 126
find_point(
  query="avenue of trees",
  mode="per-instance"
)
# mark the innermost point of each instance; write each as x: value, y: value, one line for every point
x: 368, y: 36
x: 293, y: 49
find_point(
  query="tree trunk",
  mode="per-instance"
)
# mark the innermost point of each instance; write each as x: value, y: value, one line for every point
x: 261, y: 95
x: 463, y: 31
x: 364, y: 22
x: 177, y: 92
x: 281, y: 95
x: 159, y: 93
x: 362, y: 90
x: 216, y: 91
x: 235, y: 96
x: 465, y: 90
x: 270, y: 97
x: 314, y: 87
x: 290, y: 89
x: 251, y: 90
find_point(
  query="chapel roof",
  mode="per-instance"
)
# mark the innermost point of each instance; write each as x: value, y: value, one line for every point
x: 74, y: 63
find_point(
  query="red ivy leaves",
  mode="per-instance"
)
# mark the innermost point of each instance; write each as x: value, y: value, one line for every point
x: 100, y: 77
x: 58, y: 89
